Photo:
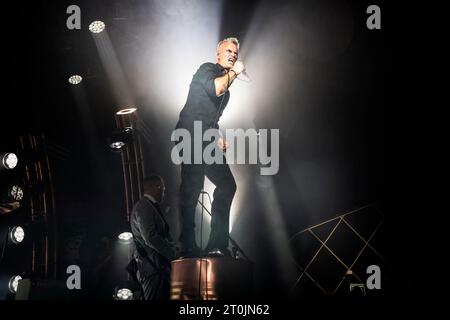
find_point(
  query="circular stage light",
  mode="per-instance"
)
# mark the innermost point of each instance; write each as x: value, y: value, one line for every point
x: 119, y: 138
x: 126, y: 111
x: 117, y: 145
x: 123, y: 294
x: 17, y: 234
x: 13, y: 283
x: 97, y: 26
x: 75, y: 79
x: 15, y: 193
x: 125, y: 236
x: 9, y: 161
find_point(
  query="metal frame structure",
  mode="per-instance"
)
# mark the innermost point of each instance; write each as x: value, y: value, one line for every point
x: 39, y: 180
x: 339, y: 220
x: 132, y: 158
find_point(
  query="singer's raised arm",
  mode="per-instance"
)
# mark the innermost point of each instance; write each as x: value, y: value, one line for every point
x: 221, y: 83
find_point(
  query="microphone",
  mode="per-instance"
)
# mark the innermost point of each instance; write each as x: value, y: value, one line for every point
x: 245, y: 74
x: 246, y: 77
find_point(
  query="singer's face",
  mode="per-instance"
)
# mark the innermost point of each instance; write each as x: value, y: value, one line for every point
x: 227, y: 54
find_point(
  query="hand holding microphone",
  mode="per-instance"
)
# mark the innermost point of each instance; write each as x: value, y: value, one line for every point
x: 223, y: 144
x: 239, y: 68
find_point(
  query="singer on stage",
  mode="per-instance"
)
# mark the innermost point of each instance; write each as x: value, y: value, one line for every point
x: 207, y: 98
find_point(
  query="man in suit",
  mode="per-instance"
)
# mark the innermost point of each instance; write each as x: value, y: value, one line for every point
x: 154, y: 247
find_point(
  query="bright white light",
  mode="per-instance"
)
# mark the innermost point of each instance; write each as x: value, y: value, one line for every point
x: 75, y: 79
x: 124, y: 294
x: 126, y: 111
x: 125, y: 236
x: 97, y: 26
x: 13, y: 283
x: 117, y: 144
x: 9, y: 161
x: 187, y: 37
x: 17, y: 234
x: 16, y: 193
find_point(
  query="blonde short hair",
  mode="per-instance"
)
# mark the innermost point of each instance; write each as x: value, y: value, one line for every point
x: 231, y: 39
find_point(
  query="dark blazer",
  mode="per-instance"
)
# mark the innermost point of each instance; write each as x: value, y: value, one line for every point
x: 154, y: 246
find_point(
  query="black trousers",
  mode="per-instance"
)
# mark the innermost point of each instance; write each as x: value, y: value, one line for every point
x: 192, y: 180
x: 155, y: 287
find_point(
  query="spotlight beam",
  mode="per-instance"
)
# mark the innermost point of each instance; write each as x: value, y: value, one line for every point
x: 113, y: 69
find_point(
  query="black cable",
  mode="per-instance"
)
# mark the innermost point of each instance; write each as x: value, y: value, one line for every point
x: 209, y: 197
x: 201, y: 221
x: 233, y: 242
x: 201, y: 232
x: 201, y: 243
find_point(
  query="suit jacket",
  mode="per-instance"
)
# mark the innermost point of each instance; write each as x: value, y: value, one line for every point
x: 154, y: 246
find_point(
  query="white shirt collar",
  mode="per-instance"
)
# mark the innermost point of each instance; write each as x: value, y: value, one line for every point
x: 149, y: 197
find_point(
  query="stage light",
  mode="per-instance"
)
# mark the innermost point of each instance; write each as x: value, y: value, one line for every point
x: 13, y: 283
x: 15, y: 193
x: 97, y: 26
x: 126, y: 111
x: 9, y: 160
x: 125, y: 237
x: 117, y: 145
x: 123, y: 294
x: 119, y: 138
x: 17, y: 234
x: 75, y: 79
x: 12, y: 194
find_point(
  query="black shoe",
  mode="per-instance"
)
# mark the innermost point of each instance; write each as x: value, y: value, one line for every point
x: 226, y: 253
x: 217, y: 252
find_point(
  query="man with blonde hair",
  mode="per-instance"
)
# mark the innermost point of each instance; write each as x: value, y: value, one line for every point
x: 207, y: 98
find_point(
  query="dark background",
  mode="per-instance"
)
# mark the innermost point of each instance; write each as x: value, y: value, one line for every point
x: 354, y: 127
